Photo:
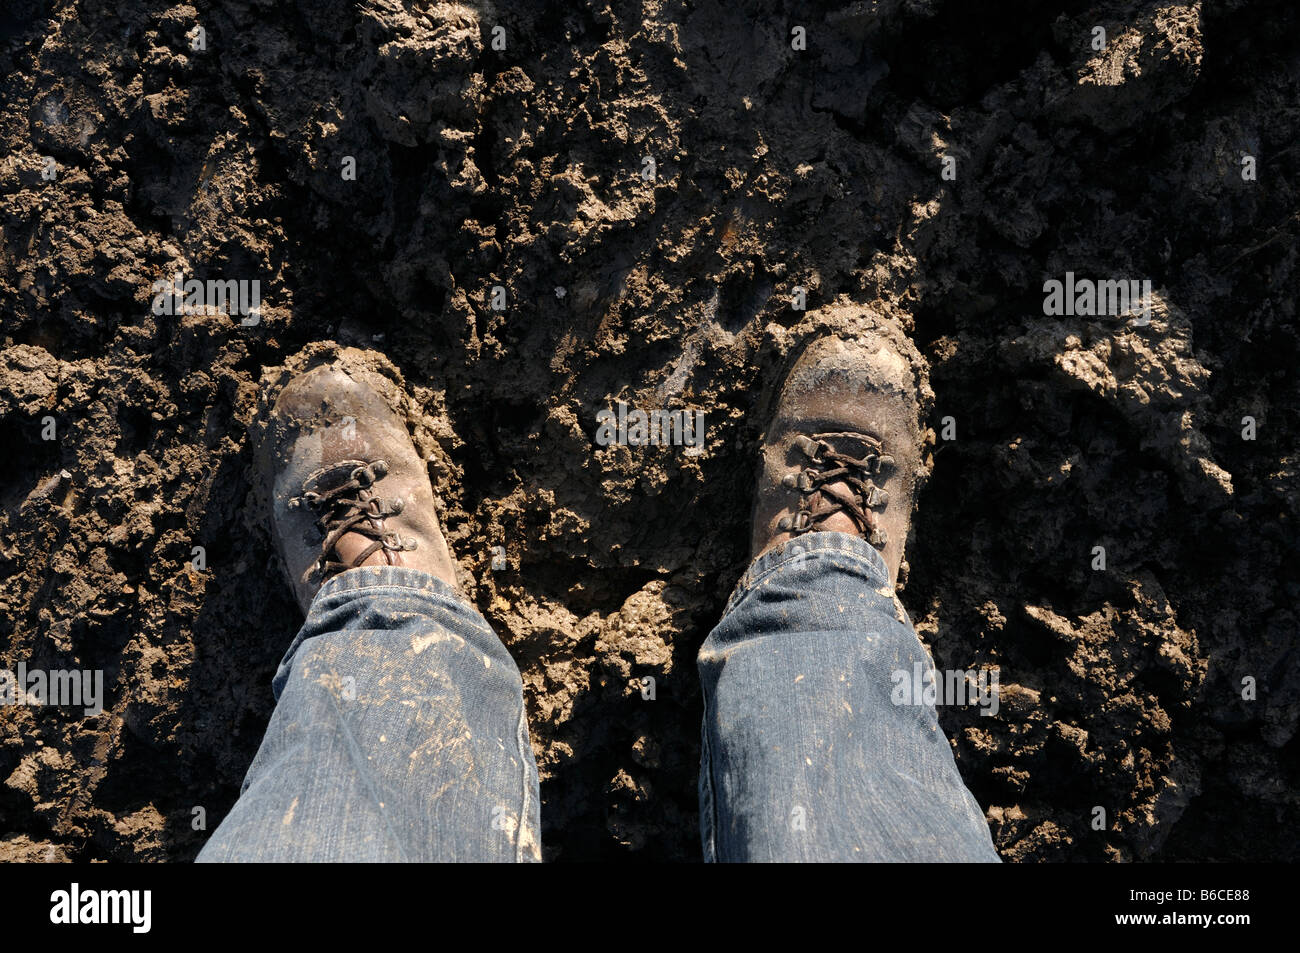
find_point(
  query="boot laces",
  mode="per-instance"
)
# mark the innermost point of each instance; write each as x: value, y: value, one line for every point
x: 828, y: 464
x: 351, y: 506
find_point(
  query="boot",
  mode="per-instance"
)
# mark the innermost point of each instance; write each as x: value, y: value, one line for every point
x: 843, y: 449
x: 347, y: 488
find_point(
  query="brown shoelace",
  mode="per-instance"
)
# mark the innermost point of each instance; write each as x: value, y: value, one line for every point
x: 352, y: 507
x: 820, y: 498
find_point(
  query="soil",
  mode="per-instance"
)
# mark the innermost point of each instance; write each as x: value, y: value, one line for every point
x: 1163, y: 690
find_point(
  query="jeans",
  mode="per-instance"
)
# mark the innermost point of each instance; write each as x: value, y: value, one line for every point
x: 399, y: 731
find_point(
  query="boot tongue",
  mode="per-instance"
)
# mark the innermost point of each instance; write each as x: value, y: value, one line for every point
x: 352, y: 545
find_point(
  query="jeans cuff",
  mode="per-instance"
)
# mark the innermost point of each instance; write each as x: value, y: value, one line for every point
x: 434, y: 595
x: 808, y: 544
x: 401, y: 577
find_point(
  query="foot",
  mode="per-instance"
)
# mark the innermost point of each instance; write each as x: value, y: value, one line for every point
x: 347, y: 487
x: 843, y: 449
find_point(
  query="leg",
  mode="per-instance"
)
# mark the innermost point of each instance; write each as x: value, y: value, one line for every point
x: 399, y: 729
x: 805, y: 756
x: 398, y: 734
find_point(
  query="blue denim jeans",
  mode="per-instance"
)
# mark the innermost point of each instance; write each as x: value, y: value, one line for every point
x: 399, y: 731
x: 805, y: 755
x: 398, y: 734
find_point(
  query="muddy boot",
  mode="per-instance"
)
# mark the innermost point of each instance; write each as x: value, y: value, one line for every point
x: 843, y: 450
x: 347, y: 488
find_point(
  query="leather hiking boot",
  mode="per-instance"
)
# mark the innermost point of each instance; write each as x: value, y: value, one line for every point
x: 843, y: 450
x: 347, y: 488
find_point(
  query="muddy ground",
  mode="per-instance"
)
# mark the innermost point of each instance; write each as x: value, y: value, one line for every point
x: 774, y: 168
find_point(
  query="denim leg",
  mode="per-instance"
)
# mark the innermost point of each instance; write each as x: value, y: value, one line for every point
x: 399, y: 733
x: 804, y: 755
